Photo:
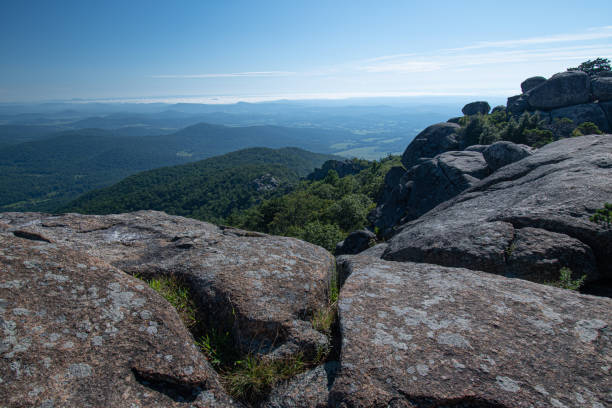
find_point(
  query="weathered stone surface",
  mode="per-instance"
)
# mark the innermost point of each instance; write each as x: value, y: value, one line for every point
x: 562, y: 89
x: 263, y: 288
x: 602, y: 88
x: 588, y: 112
x: 77, y: 332
x: 531, y: 83
x: 475, y: 108
x: 502, y: 153
x: 476, y: 148
x: 498, y: 108
x: 441, y: 178
x: 556, y: 189
x: 517, y: 104
x: 421, y: 335
x: 455, y: 119
x: 356, y: 242
x: 432, y: 141
x: 307, y: 390
x: 607, y: 108
x: 428, y: 184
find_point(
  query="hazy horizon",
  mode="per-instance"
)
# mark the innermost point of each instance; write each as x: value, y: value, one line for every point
x: 241, y: 51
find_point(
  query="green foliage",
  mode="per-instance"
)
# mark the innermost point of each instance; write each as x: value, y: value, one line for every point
x: 177, y: 294
x: 566, y: 282
x: 603, y: 215
x: 593, y: 67
x: 586, y: 128
x: 253, y: 377
x: 208, y: 190
x: 321, y: 212
x: 325, y: 235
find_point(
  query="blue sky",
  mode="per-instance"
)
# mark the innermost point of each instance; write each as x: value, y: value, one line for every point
x: 259, y: 50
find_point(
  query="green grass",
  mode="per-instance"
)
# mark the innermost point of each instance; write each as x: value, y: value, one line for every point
x: 248, y: 378
x: 566, y: 282
x: 603, y: 216
x: 253, y: 378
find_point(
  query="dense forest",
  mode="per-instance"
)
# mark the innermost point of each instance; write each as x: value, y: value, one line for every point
x: 209, y: 189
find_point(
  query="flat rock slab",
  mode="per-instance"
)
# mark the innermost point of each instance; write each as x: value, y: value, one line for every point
x: 421, y: 335
x: 554, y: 192
x: 77, y: 332
x: 263, y: 288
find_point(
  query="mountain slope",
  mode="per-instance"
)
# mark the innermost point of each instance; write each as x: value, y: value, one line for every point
x: 209, y: 189
x: 43, y: 175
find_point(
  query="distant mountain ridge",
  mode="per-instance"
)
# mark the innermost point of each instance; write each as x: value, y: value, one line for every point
x: 43, y: 175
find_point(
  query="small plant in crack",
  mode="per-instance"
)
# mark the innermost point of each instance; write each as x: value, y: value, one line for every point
x: 603, y: 216
x: 253, y: 377
x: 177, y: 294
x: 566, y: 282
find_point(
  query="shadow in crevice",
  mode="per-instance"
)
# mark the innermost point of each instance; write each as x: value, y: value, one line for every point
x: 177, y: 391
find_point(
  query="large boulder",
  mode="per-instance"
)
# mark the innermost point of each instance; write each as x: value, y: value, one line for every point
x: 607, y: 108
x: 602, y: 88
x: 531, y: 83
x: 562, y: 89
x: 422, y: 335
x: 78, y: 332
x: 427, y: 184
x: 432, y: 141
x: 517, y: 104
x: 500, y: 154
x: 475, y: 108
x: 262, y: 288
x: 356, y: 242
x: 306, y: 390
x: 554, y: 191
x: 588, y: 112
x: 441, y: 178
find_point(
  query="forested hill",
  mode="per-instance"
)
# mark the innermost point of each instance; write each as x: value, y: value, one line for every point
x: 209, y: 189
x: 43, y: 175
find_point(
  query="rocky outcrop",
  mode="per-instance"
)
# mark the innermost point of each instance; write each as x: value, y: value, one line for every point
x: 435, y: 139
x: 474, y: 108
x: 602, y: 88
x: 562, y: 89
x: 78, y: 332
x: 342, y: 167
x: 588, y: 112
x: 421, y: 335
x: 553, y: 191
x: 517, y: 104
x: 307, y: 390
x: 355, y: 242
x: 262, y: 288
x: 502, y: 153
x: 531, y: 83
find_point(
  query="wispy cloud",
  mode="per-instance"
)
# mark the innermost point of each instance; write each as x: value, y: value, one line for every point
x: 229, y: 75
x: 596, y: 33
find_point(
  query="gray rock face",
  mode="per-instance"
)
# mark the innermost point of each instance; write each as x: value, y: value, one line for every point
x: 562, y: 89
x: 498, y: 108
x: 502, y: 153
x: 432, y: 141
x: 421, y: 335
x: 307, y: 390
x: 77, y: 332
x: 531, y: 83
x: 428, y: 184
x: 262, y: 288
x: 589, y: 112
x: 475, y: 108
x: 518, y: 104
x: 356, y: 242
x: 602, y: 88
x: 555, y: 190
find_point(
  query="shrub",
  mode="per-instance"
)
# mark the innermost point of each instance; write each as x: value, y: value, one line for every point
x: 603, y: 215
x: 593, y: 67
x: 586, y: 128
x: 325, y: 235
x: 565, y: 280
